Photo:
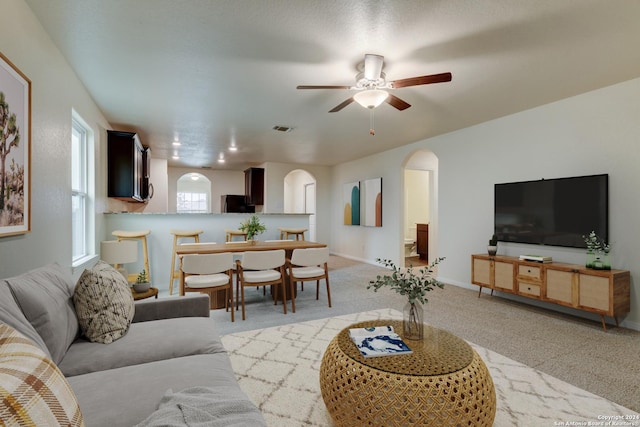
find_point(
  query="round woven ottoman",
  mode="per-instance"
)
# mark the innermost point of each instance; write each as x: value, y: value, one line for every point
x: 444, y: 382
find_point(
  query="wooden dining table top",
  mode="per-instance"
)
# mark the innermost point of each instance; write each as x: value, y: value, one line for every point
x: 244, y: 246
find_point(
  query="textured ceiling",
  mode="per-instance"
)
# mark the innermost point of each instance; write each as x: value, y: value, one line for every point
x: 212, y: 73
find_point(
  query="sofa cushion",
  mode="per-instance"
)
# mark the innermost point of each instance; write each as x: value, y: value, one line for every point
x: 11, y: 315
x: 136, y: 391
x: 33, y: 391
x: 45, y: 297
x: 104, y: 303
x: 145, y: 342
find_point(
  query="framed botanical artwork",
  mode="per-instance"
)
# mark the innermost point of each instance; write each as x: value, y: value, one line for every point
x: 15, y: 150
x: 371, y: 194
x: 351, y: 200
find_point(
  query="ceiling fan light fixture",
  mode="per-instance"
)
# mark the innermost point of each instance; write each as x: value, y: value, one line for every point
x: 371, y: 98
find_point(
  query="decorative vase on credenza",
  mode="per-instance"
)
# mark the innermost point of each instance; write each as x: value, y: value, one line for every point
x: 492, y: 247
x: 597, y: 252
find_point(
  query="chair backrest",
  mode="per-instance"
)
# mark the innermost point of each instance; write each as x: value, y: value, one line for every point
x: 207, y: 263
x: 309, y: 257
x: 262, y: 260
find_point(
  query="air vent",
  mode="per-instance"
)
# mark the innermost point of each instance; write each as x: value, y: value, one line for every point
x: 282, y: 128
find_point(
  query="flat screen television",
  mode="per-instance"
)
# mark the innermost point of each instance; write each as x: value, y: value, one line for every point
x: 555, y: 212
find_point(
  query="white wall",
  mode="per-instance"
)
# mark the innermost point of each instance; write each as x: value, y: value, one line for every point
x: 596, y: 132
x: 55, y: 92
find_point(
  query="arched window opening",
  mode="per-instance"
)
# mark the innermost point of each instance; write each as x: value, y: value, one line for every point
x: 193, y: 193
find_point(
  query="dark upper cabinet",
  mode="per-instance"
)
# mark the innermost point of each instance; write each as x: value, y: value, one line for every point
x: 254, y: 186
x: 127, y: 167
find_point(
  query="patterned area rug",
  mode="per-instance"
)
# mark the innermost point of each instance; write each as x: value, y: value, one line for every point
x: 279, y: 369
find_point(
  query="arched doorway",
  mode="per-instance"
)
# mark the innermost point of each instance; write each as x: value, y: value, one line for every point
x: 193, y: 193
x: 300, y: 197
x: 420, y: 222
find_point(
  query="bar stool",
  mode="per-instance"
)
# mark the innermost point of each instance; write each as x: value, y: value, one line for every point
x: 286, y: 232
x: 180, y: 234
x: 230, y: 234
x: 136, y: 235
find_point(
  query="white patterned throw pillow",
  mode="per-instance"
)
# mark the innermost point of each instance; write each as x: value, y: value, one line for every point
x: 104, y: 304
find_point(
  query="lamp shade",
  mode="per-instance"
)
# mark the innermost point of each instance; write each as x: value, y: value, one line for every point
x: 371, y: 98
x: 115, y: 252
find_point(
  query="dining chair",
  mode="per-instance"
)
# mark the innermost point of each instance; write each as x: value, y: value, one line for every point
x: 208, y: 273
x: 261, y: 268
x: 309, y: 264
x: 178, y: 236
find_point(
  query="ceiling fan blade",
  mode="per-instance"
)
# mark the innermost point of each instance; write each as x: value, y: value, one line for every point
x: 322, y: 87
x: 373, y: 66
x: 396, y: 102
x: 422, y: 80
x: 341, y: 106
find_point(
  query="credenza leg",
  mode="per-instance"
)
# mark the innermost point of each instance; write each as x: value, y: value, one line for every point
x: 604, y: 324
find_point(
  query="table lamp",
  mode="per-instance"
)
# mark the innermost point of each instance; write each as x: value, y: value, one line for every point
x: 119, y: 252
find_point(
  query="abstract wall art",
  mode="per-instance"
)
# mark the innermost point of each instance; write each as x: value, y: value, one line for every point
x: 351, y: 203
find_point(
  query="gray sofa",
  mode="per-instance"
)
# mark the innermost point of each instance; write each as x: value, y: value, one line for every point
x: 172, y: 345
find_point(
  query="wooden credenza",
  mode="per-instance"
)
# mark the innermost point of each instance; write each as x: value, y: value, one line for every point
x: 604, y: 292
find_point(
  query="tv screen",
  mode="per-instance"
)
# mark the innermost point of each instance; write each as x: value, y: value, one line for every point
x: 556, y: 212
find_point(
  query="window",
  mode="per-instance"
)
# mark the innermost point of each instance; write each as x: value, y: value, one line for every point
x: 81, y: 197
x: 193, y: 193
x: 193, y: 202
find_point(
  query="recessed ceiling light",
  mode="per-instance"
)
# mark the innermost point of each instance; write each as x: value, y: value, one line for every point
x: 233, y: 148
x: 220, y: 160
x: 176, y: 157
x: 176, y: 143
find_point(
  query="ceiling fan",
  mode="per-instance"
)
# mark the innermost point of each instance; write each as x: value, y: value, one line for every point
x: 371, y: 84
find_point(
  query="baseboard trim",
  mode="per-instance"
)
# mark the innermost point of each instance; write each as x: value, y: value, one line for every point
x: 363, y: 260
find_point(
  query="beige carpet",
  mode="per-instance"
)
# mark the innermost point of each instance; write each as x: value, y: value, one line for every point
x: 278, y: 368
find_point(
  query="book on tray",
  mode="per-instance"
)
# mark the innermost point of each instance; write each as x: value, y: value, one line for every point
x: 378, y: 341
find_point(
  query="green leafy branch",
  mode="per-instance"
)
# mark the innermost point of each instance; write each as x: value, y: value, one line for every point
x: 407, y: 282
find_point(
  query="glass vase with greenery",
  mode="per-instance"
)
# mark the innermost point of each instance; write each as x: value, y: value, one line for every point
x: 414, y: 284
x: 597, y: 252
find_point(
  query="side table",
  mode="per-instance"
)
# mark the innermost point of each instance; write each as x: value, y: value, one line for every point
x: 151, y: 292
x: 443, y: 382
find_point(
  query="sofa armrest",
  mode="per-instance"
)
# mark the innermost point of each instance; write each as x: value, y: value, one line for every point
x: 167, y: 308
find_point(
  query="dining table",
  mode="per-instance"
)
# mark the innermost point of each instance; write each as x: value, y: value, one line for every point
x: 247, y: 245
x: 244, y: 246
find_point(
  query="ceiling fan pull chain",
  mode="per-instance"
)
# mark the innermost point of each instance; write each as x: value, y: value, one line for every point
x: 372, y: 130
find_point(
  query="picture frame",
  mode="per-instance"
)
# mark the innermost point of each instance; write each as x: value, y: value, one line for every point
x: 371, y: 206
x: 351, y: 203
x: 15, y: 150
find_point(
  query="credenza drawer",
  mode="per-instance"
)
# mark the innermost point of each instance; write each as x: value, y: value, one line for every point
x: 530, y: 272
x: 529, y: 289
